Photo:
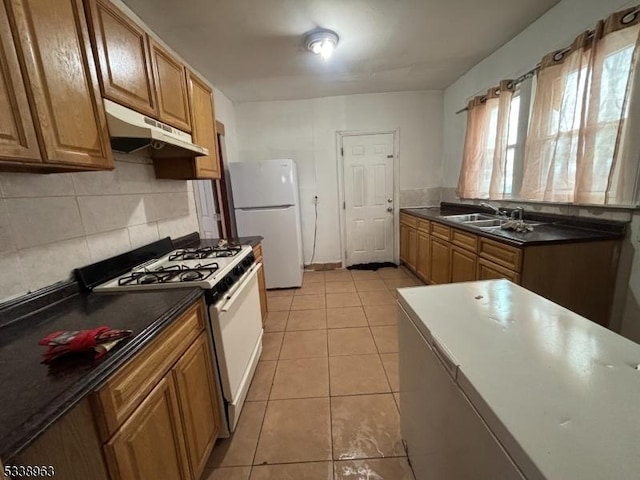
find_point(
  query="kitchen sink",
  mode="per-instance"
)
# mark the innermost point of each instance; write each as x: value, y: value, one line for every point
x: 495, y: 222
x: 472, y: 217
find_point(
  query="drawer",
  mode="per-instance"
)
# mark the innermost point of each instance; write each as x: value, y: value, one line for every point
x: 257, y: 251
x: 408, y: 220
x: 465, y: 240
x: 491, y: 271
x: 129, y: 386
x: 440, y: 231
x: 505, y: 255
x: 424, y: 225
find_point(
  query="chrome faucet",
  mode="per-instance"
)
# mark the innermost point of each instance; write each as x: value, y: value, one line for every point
x: 496, y: 210
x: 519, y: 211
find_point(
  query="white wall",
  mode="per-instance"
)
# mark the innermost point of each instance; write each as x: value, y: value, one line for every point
x: 553, y: 30
x: 226, y: 114
x: 51, y: 224
x: 305, y: 130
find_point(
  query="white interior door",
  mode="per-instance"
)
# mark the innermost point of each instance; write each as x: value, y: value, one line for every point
x: 368, y: 196
x: 205, y: 205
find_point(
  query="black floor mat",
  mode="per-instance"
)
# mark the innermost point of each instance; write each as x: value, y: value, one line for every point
x: 372, y: 266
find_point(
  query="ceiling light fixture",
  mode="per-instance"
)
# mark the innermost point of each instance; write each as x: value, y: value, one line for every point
x: 322, y: 42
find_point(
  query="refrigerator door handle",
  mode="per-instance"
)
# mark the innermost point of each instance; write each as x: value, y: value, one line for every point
x: 274, y: 207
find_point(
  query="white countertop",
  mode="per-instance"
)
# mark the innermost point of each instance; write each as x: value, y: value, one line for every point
x: 560, y: 392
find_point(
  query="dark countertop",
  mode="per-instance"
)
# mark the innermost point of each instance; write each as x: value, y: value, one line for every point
x: 194, y: 240
x: 35, y: 395
x: 556, y: 228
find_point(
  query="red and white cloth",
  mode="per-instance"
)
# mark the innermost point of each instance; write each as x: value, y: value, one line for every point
x: 100, y: 339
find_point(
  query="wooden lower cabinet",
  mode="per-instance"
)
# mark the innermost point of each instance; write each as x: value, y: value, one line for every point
x: 172, y: 430
x: 193, y: 375
x: 488, y: 270
x: 262, y: 284
x: 150, y: 444
x: 580, y: 276
x: 404, y: 242
x: 169, y: 434
x: 440, y: 260
x: 408, y: 246
x: 412, y: 255
x: 423, y: 262
x: 463, y: 265
x: 71, y: 446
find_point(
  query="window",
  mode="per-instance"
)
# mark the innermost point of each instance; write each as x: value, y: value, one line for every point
x: 575, y: 140
x: 512, y: 144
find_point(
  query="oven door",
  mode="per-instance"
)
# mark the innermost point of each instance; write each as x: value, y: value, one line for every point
x: 236, y: 323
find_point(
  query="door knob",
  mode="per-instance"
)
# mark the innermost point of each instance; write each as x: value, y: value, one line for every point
x: 389, y: 200
x: 389, y: 209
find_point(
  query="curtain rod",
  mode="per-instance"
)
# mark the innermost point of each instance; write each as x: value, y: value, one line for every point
x: 517, y: 81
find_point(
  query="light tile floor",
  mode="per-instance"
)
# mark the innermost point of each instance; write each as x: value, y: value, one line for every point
x: 323, y: 404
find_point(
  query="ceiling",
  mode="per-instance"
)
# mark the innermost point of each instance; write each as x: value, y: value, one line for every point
x: 253, y: 50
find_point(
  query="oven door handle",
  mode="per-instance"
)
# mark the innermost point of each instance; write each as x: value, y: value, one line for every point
x: 239, y: 291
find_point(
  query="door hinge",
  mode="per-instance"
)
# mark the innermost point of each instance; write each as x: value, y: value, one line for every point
x: 342, y: 151
x: 344, y: 205
x: 217, y: 217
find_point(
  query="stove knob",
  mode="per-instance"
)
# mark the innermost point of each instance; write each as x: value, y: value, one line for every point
x: 238, y: 270
x: 228, y: 281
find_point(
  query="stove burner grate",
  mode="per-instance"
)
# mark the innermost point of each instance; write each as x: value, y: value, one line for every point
x: 169, y: 274
x: 204, y: 252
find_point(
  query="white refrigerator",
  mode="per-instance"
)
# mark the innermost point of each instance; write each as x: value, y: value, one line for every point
x: 267, y: 203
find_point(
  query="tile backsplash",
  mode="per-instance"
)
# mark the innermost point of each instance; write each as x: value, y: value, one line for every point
x: 51, y: 224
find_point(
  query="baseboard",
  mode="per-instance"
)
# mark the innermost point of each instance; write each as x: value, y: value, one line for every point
x: 323, y: 266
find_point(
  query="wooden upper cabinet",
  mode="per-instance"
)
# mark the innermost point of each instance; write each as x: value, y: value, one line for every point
x: 60, y: 70
x: 203, y: 124
x: 124, y: 56
x: 171, y: 86
x: 18, y: 141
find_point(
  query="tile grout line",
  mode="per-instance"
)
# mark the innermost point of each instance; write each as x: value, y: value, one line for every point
x: 266, y: 408
x: 331, y: 446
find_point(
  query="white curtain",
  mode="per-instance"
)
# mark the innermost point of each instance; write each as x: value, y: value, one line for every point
x: 582, y: 146
x: 483, y: 172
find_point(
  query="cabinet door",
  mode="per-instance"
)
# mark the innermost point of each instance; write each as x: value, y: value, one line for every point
x: 203, y: 127
x: 412, y: 253
x: 463, y: 265
x: 124, y: 58
x: 440, y: 261
x: 404, y: 243
x: 423, y: 261
x: 171, y: 88
x: 64, y: 85
x: 262, y: 285
x: 18, y: 141
x: 491, y: 271
x: 196, y: 393
x: 150, y: 444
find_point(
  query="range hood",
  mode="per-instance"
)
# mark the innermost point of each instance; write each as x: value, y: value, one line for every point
x: 131, y: 131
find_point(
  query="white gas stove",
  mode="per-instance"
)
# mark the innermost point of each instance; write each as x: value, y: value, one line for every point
x: 204, y: 267
x: 229, y: 276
